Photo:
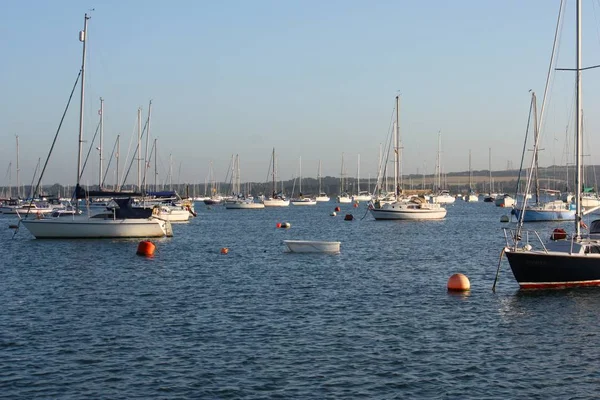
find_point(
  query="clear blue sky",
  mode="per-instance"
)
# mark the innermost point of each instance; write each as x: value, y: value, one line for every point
x: 311, y: 78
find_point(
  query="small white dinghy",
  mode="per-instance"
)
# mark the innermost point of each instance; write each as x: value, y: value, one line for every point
x: 312, y: 246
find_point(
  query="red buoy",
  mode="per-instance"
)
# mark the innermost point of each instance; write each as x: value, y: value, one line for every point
x: 459, y: 283
x: 146, y: 248
x: 558, y: 234
x: 337, y: 209
x: 355, y: 205
x: 278, y: 225
x: 224, y: 250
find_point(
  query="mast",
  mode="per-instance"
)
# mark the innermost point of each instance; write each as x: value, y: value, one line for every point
x: 438, y: 166
x: 156, y: 166
x: 342, y: 176
x: 18, y: 169
x: 82, y: 38
x: 146, y: 161
x: 470, y: 174
x: 300, y: 176
x: 139, y: 149
x: 320, y: 178
x: 397, y: 159
x: 117, y: 157
x: 171, y: 171
x: 490, y: 168
x: 578, y: 141
x: 101, y: 142
x: 273, y: 173
x: 535, y: 151
x: 358, y: 175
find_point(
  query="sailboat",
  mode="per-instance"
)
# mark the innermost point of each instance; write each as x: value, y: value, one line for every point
x: 303, y: 200
x: 240, y: 201
x: 322, y: 197
x: 471, y: 197
x: 343, y: 197
x: 568, y: 260
x: 277, y: 199
x: 556, y: 210
x: 363, y: 195
x: 442, y: 196
x: 414, y: 209
x: 490, y: 197
x: 122, y: 221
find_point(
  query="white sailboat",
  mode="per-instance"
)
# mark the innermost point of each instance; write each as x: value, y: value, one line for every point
x: 276, y: 199
x: 442, y: 196
x: 362, y: 195
x: 471, y: 197
x: 121, y: 222
x: 302, y: 200
x: 343, y: 197
x: 240, y: 202
x: 415, y: 208
x: 322, y: 197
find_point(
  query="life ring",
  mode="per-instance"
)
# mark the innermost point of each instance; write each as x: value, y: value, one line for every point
x: 155, y: 210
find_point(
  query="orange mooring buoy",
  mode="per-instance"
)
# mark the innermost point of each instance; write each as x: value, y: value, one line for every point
x: 355, y: 204
x: 146, y: 248
x: 224, y: 250
x: 337, y: 209
x: 459, y: 283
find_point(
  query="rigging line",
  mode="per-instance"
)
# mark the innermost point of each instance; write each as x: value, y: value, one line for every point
x: 135, y: 153
x: 50, y: 151
x: 35, y: 171
x: 89, y: 150
x: 110, y: 161
x: 522, y: 160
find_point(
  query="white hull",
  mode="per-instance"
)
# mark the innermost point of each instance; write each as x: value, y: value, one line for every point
x: 504, y: 201
x: 443, y: 199
x: 361, y: 198
x: 244, y: 205
x: 471, y: 198
x: 311, y: 246
x: 83, y: 227
x: 305, y: 202
x: 276, y: 203
x: 344, y: 199
x: 322, y: 199
x: 408, y: 211
x: 23, y: 210
x: 175, y: 215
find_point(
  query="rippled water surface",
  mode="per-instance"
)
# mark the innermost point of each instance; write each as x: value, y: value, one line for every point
x: 90, y: 319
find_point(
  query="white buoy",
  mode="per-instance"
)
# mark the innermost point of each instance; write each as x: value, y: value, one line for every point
x: 333, y: 214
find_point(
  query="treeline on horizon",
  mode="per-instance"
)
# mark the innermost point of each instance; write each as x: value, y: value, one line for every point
x: 550, y: 178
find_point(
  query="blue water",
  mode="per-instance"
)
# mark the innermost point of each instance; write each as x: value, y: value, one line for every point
x: 90, y: 319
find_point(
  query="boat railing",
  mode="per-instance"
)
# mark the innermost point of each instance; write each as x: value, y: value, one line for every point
x: 513, y: 237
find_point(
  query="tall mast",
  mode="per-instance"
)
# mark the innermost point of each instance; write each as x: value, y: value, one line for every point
x: 578, y: 141
x: 300, y: 161
x: 18, y: 169
x: 273, y: 173
x: 319, y: 177
x: 397, y: 150
x: 156, y: 166
x: 139, y: 149
x: 358, y: 174
x: 342, y: 175
x: 171, y: 171
x: 535, y: 151
x: 438, y: 166
x: 146, y: 162
x: 117, y: 157
x: 101, y: 142
x: 490, y: 168
x: 82, y: 38
x: 470, y: 174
